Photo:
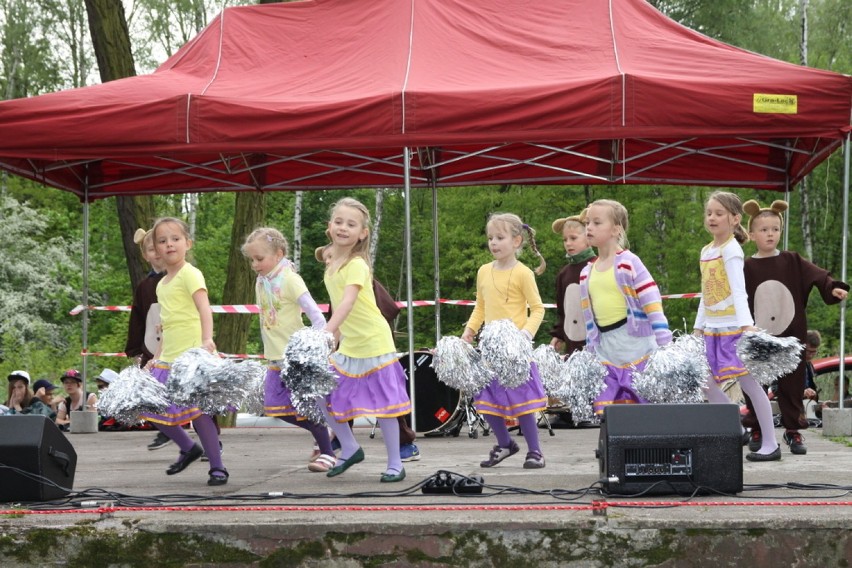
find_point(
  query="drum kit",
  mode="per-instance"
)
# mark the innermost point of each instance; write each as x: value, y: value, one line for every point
x: 443, y: 411
x: 438, y: 409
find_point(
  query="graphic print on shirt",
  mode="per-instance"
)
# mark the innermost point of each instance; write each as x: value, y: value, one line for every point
x: 718, y: 300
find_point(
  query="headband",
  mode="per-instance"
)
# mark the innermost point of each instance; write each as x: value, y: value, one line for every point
x: 753, y: 209
x: 559, y: 224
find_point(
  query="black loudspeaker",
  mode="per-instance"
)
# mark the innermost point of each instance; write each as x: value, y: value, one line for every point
x: 660, y: 449
x: 37, y: 461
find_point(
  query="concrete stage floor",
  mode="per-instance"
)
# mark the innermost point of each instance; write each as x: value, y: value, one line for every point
x: 125, y: 511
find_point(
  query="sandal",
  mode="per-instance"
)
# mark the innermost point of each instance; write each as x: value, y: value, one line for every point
x: 315, y: 453
x: 322, y: 464
x: 217, y: 479
x: 498, y: 454
x: 185, y: 459
x: 534, y: 460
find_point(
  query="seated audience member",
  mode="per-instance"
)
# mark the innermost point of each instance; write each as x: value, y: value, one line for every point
x: 20, y: 398
x: 105, y: 379
x: 77, y: 399
x: 45, y: 392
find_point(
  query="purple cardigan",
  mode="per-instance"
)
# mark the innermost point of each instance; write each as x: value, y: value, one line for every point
x: 645, y: 315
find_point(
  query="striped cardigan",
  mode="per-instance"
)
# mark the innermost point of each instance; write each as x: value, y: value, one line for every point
x: 645, y: 315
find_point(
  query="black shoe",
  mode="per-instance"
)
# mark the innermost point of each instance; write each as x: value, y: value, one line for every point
x: 774, y: 456
x: 746, y: 437
x: 796, y: 443
x: 161, y: 441
x: 185, y: 459
x: 204, y: 458
x: 756, y: 441
x: 220, y: 479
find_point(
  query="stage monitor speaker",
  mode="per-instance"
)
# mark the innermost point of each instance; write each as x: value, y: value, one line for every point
x: 37, y: 461
x: 659, y: 449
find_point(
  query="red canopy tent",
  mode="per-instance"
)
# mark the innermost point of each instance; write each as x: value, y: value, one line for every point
x: 327, y: 93
x: 420, y: 93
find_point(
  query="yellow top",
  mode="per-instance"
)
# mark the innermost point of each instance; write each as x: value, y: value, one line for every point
x: 506, y: 294
x: 364, y: 332
x: 180, y: 319
x: 276, y: 331
x: 608, y: 303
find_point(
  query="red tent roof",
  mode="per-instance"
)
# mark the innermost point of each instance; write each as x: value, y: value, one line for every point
x: 326, y: 93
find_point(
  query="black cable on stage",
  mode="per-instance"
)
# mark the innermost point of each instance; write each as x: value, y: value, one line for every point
x: 85, y: 498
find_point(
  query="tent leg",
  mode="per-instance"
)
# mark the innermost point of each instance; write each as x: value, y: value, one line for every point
x: 437, y: 263
x: 409, y: 282
x: 85, y: 334
x: 845, y: 240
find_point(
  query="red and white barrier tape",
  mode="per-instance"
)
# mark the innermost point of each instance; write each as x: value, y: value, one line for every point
x: 255, y: 309
x: 122, y: 354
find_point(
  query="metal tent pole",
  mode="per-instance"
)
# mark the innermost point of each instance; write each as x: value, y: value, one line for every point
x: 85, y: 281
x: 786, y: 245
x: 437, y: 263
x: 408, y: 282
x: 842, y: 377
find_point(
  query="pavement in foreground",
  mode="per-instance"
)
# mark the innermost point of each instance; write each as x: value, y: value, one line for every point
x: 272, y: 497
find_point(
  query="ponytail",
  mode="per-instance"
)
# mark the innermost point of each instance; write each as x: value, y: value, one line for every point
x: 539, y: 270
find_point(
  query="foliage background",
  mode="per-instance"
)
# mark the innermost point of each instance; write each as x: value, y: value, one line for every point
x: 45, y: 47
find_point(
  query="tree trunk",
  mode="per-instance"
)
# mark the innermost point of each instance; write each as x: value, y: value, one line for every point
x: 232, y: 330
x: 111, y: 41
x: 296, y: 252
x: 807, y: 240
x: 377, y: 225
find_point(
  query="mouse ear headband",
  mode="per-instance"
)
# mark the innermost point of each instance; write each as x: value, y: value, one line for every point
x: 754, y: 210
x: 559, y: 224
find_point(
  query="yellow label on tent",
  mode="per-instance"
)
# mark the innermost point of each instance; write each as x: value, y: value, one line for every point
x: 776, y: 104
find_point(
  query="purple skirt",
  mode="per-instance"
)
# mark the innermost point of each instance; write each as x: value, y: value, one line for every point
x: 497, y: 400
x: 173, y: 415
x: 721, y: 349
x: 378, y: 392
x: 619, y: 386
x: 276, y: 395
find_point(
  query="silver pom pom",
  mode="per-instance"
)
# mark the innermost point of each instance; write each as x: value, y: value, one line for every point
x: 307, y: 372
x: 768, y: 357
x: 550, y: 368
x: 458, y: 365
x: 675, y: 373
x: 133, y: 393
x: 255, y: 399
x: 583, y: 382
x: 199, y: 378
x: 507, y: 352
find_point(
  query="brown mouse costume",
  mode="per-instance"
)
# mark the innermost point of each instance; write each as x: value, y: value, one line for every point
x: 778, y: 288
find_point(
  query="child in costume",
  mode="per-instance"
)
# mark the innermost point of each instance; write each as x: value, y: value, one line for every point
x: 371, y: 382
x: 723, y: 313
x: 621, y: 305
x: 187, y: 322
x: 569, y: 331
x: 506, y: 289
x: 408, y: 450
x: 282, y: 296
x: 143, y: 332
x: 778, y: 284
